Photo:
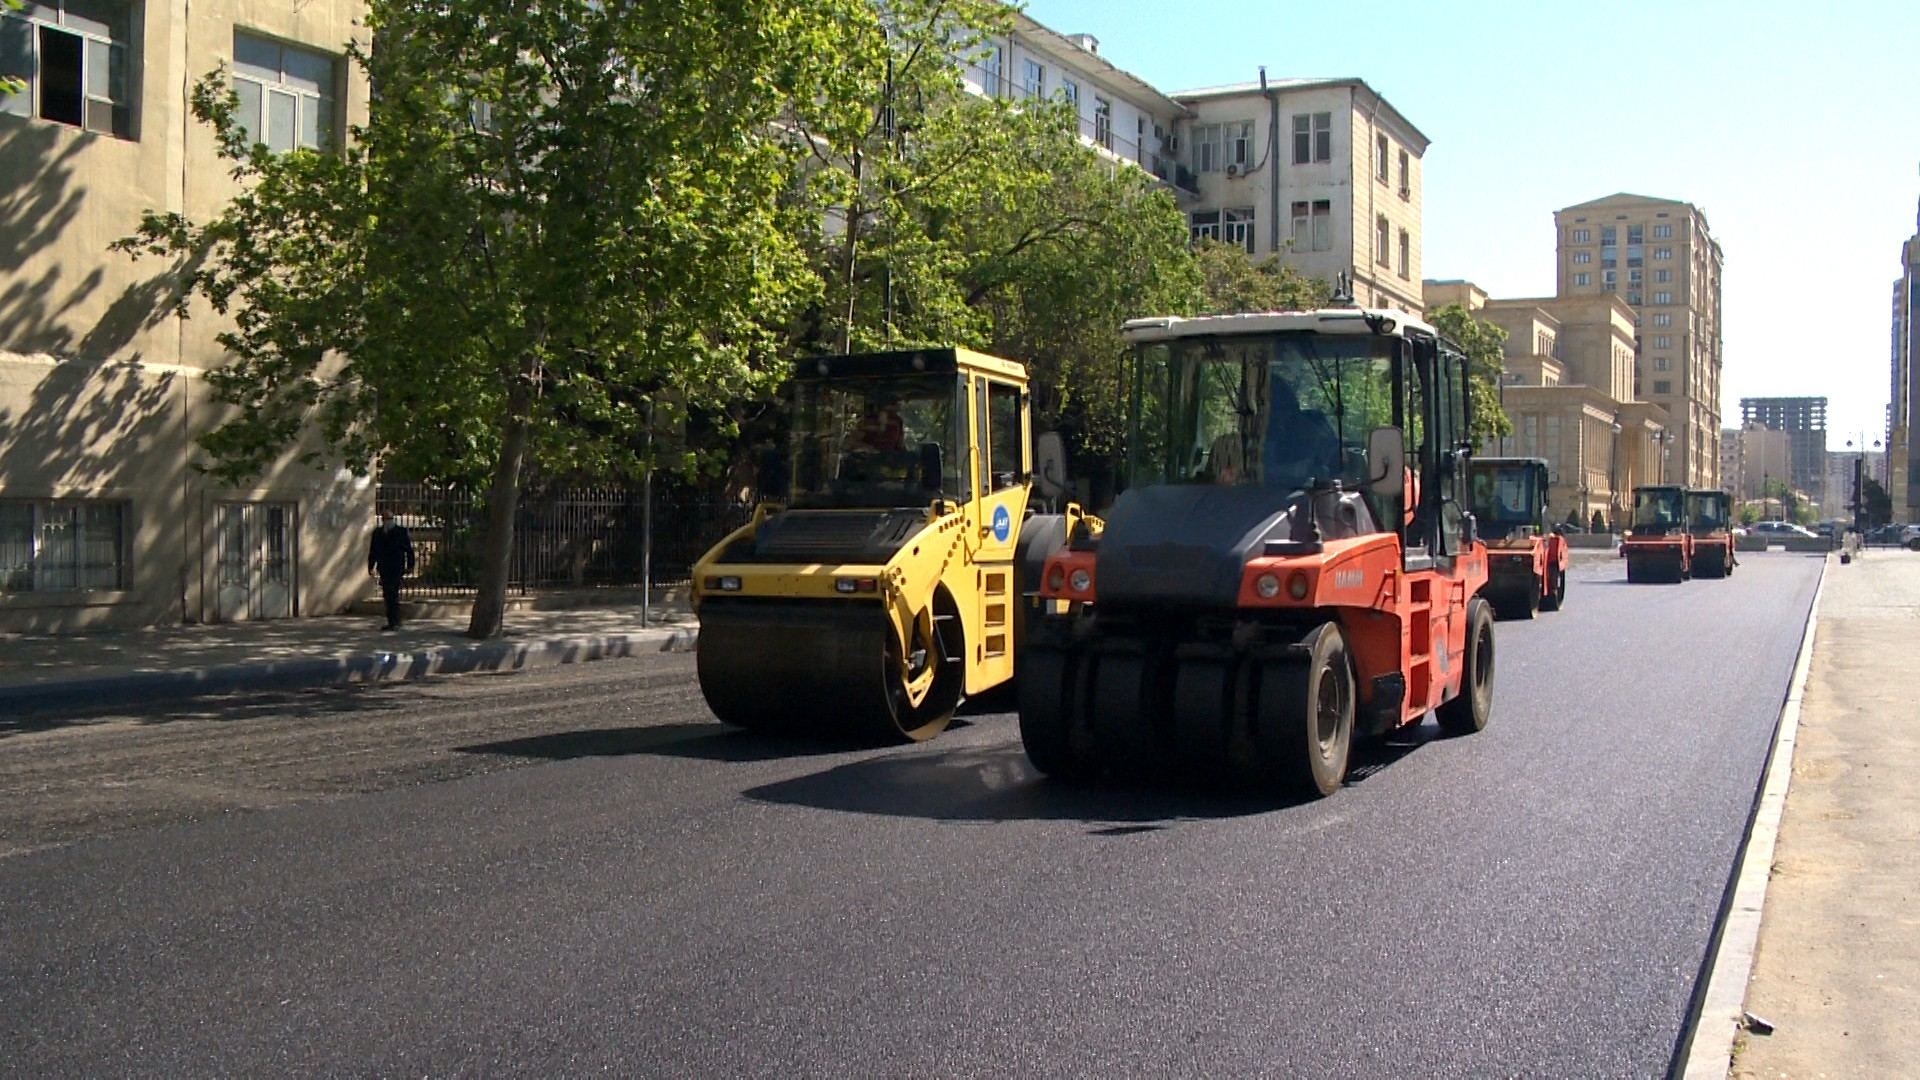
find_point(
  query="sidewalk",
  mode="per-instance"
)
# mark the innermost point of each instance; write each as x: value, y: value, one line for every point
x: 1837, y: 968
x: 73, y: 674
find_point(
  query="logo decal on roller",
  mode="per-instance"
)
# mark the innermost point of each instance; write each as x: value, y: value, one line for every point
x: 1002, y: 523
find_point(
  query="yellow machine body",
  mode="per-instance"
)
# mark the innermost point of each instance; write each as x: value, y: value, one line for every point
x: 889, y: 584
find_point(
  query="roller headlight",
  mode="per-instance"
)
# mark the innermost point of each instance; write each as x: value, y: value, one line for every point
x: 1267, y: 586
x: 1080, y: 580
x: 1297, y: 586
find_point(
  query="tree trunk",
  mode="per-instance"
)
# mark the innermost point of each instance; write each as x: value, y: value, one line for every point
x: 503, y: 498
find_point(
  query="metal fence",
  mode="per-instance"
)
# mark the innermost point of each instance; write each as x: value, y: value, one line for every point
x: 571, y: 537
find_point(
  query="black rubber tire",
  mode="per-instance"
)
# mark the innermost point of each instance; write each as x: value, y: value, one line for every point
x: 1304, y: 723
x: 1046, y: 704
x: 1203, y: 713
x: 1633, y: 573
x: 1556, y: 596
x: 1123, y: 711
x: 1467, y: 711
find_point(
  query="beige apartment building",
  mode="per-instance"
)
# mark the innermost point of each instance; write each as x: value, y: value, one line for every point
x: 1903, y: 398
x: 103, y: 520
x: 1660, y: 257
x: 1324, y: 173
x: 1567, y: 387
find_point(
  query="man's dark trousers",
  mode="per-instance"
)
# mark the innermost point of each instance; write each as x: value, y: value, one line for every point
x: 390, y: 592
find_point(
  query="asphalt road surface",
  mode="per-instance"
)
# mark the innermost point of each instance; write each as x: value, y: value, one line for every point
x: 577, y: 871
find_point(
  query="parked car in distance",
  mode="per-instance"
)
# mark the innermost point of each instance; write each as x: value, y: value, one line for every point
x: 1888, y: 534
x: 1780, y: 530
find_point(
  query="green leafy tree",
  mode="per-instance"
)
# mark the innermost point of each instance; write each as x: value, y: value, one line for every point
x: 562, y: 229
x: 960, y: 219
x: 1879, y: 502
x: 1484, y: 344
x: 1233, y: 284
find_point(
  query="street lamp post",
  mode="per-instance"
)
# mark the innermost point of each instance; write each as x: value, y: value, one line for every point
x: 1613, y: 473
x: 1859, y: 481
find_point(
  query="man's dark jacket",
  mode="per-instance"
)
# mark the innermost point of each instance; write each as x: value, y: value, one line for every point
x: 391, y: 553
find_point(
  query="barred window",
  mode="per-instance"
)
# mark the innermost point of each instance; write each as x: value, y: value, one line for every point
x: 62, y: 545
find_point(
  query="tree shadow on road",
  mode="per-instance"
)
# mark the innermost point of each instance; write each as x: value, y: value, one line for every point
x: 239, y: 706
x: 704, y: 741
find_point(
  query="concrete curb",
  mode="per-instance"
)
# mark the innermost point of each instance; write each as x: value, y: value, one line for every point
x: 100, y: 692
x: 1709, y: 1050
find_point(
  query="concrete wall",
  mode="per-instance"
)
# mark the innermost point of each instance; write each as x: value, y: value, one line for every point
x: 101, y: 388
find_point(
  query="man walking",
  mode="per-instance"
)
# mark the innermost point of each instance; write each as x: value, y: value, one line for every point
x: 390, y: 555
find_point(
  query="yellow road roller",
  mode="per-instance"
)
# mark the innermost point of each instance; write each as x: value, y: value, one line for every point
x: 887, y: 568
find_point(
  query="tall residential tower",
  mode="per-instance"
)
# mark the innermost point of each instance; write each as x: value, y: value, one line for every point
x: 1659, y: 256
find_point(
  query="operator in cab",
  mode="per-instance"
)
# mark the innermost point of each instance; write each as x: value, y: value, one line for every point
x: 1301, y: 445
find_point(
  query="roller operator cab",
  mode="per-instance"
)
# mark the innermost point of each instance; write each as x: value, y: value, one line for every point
x: 1526, y: 560
x: 1710, y: 527
x: 1293, y: 564
x: 1658, y: 545
x: 886, y: 581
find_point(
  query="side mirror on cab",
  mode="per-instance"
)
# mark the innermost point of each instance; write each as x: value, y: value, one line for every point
x: 1050, y: 466
x: 1386, y: 462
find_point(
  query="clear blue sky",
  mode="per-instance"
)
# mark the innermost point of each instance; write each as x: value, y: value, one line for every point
x: 1794, y: 126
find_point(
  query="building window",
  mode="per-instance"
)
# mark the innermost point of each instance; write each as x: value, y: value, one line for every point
x: 1204, y: 225
x: 1312, y: 137
x: 1662, y: 276
x: 1633, y: 277
x: 1636, y: 234
x: 1381, y: 150
x: 1034, y: 82
x: 1583, y: 279
x: 1662, y: 363
x: 62, y: 545
x: 1380, y: 231
x: 1206, y: 148
x: 1583, y: 236
x: 286, y: 93
x: 1663, y: 386
x: 990, y: 70
x: 1633, y: 298
x: 1607, y: 279
x: 1663, y: 253
x: 1663, y: 232
x: 1240, y: 145
x: 1663, y: 341
x: 1608, y: 235
x: 1103, y: 122
x: 1236, y: 228
x: 73, y: 56
x: 1582, y: 258
x: 1663, y: 298
x: 1313, y: 225
x: 1070, y: 93
x: 1406, y: 256
x: 1662, y: 319
x: 1406, y: 176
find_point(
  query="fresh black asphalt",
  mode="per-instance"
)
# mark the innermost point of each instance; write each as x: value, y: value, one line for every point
x: 673, y: 899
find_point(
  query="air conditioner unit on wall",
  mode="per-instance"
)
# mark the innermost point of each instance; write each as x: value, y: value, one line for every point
x: 1233, y: 171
